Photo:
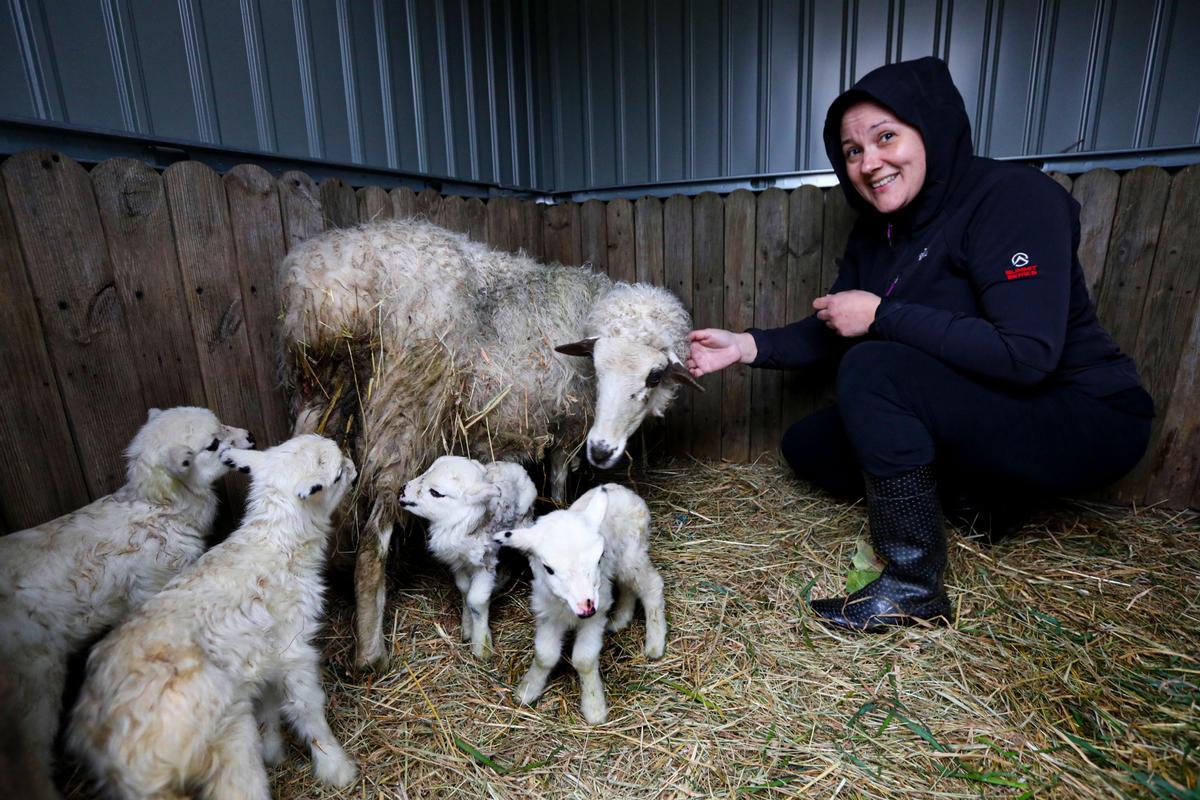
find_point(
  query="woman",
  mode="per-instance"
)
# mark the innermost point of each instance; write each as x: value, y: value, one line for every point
x: 966, y: 338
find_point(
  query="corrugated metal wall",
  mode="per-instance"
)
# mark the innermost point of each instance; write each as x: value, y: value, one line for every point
x: 648, y: 91
x: 438, y: 87
x: 569, y: 95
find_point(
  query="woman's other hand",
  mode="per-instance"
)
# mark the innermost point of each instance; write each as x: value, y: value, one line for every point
x: 848, y: 313
x: 714, y: 349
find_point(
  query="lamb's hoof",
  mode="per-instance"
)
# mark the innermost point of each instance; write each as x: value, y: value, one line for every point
x: 594, y: 712
x: 528, y: 695
x: 483, y: 650
x: 654, y: 650
x: 371, y: 662
x: 335, y: 769
x: 272, y: 749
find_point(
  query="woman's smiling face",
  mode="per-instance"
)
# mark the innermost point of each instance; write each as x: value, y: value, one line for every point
x: 885, y: 158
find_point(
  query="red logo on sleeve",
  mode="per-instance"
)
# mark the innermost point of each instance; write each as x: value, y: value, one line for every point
x: 1021, y: 268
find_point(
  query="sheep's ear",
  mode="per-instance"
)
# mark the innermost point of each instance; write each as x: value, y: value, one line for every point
x: 180, y: 458
x: 154, y: 412
x: 523, y: 539
x: 680, y: 374
x: 596, y: 508
x: 243, y: 460
x: 583, y: 347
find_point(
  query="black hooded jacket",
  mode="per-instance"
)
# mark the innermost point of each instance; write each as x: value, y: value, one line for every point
x: 981, y: 265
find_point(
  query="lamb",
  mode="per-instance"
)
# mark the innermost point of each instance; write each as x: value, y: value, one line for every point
x: 173, y: 699
x: 465, y: 503
x: 68, y: 580
x: 576, y: 555
x: 407, y: 341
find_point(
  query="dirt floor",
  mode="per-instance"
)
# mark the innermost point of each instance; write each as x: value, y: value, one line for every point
x: 1071, y: 670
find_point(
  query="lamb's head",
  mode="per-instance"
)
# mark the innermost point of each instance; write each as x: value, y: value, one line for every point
x: 308, y: 467
x: 181, y: 445
x: 633, y: 381
x: 565, y: 549
x: 453, y: 491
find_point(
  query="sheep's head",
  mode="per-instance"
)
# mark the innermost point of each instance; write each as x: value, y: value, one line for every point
x: 453, y: 490
x: 633, y: 381
x: 184, y: 444
x: 564, y: 549
x: 308, y: 467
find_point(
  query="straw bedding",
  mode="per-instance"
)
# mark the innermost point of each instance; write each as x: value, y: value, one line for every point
x: 1071, y: 671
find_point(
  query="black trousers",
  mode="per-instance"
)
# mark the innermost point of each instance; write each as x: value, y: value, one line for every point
x: 898, y: 408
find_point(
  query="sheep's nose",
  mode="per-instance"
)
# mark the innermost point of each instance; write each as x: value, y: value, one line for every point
x: 589, y: 609
x: 250, y: 439
x: 599, y: 454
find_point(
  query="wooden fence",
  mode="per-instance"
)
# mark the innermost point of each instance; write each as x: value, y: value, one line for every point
x: 126, y: 288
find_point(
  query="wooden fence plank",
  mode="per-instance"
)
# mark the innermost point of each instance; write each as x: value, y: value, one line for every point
x: 648, y: 240
x: 429, y: 202
x: 451, y: 214
x: 404, y: 202
x: 475, y: 219
x: 1175, y: 465
x: 677, y: 276
x: 204, y: 240
x: 561, y: 234
x: 1136, y: 226
x: 770, y: 311
x: 739, y: 314
x: 133, y: 211
x: 839, y: 219
x: 374, y: 204
x: 499, y: 233
x: 529, y: 223
x: 593, y: 227
x: 257, y: 227
x: 1172, y: 288
x: 708, y: 298
x: 339, y: 203
x: 1096, y: 192
x: 300, y: 202
x: 806, y: 225
x: 40, y: 474
x: 622, y: 265
x: 58, y: 225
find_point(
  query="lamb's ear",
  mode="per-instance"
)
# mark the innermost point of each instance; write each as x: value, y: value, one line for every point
x: 180, y: 458
x: 154, y: 412
x: 583, y: 347
x: 523, y: 539
x: 243, y: 460
x: 680, y: 374
x: 597, y: 507
x: 480, y: 493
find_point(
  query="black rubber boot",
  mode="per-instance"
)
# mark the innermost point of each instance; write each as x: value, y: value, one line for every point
x: 908, y: 531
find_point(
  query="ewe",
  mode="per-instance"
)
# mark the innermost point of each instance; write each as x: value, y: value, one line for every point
x: 576, y: 555
x: 68, y: 580
x: 174, y: 698
x: 465, y: 503
x: 411, y: 341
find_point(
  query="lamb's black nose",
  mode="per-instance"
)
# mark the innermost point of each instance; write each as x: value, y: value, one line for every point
x: 250, y: 439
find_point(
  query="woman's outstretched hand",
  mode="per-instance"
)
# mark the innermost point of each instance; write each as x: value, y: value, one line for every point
x: 848, y: 313
x: 714, y: 349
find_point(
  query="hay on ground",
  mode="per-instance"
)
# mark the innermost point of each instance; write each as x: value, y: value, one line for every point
x: 1071, y: 670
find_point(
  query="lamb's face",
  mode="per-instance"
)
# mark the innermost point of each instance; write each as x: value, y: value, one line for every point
x: 309, y: 467
x: 633, y: 381
x: 187, y: 442
x: 452, y: 490
x: 565, y: 549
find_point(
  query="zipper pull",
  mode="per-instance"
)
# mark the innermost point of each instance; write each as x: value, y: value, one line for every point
x: 888, y: 232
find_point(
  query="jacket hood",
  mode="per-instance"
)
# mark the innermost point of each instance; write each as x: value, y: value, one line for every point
x: 923, y: 95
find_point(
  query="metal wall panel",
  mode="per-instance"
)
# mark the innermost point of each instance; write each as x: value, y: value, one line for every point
x: 743, y: 90
x: 438, y: 87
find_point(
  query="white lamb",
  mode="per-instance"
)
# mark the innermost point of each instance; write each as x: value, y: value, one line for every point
x: 576, y: 555
x: 465, y: 503
x: 409, y: 341
x: 174, y: 698
x: 66, y: 581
